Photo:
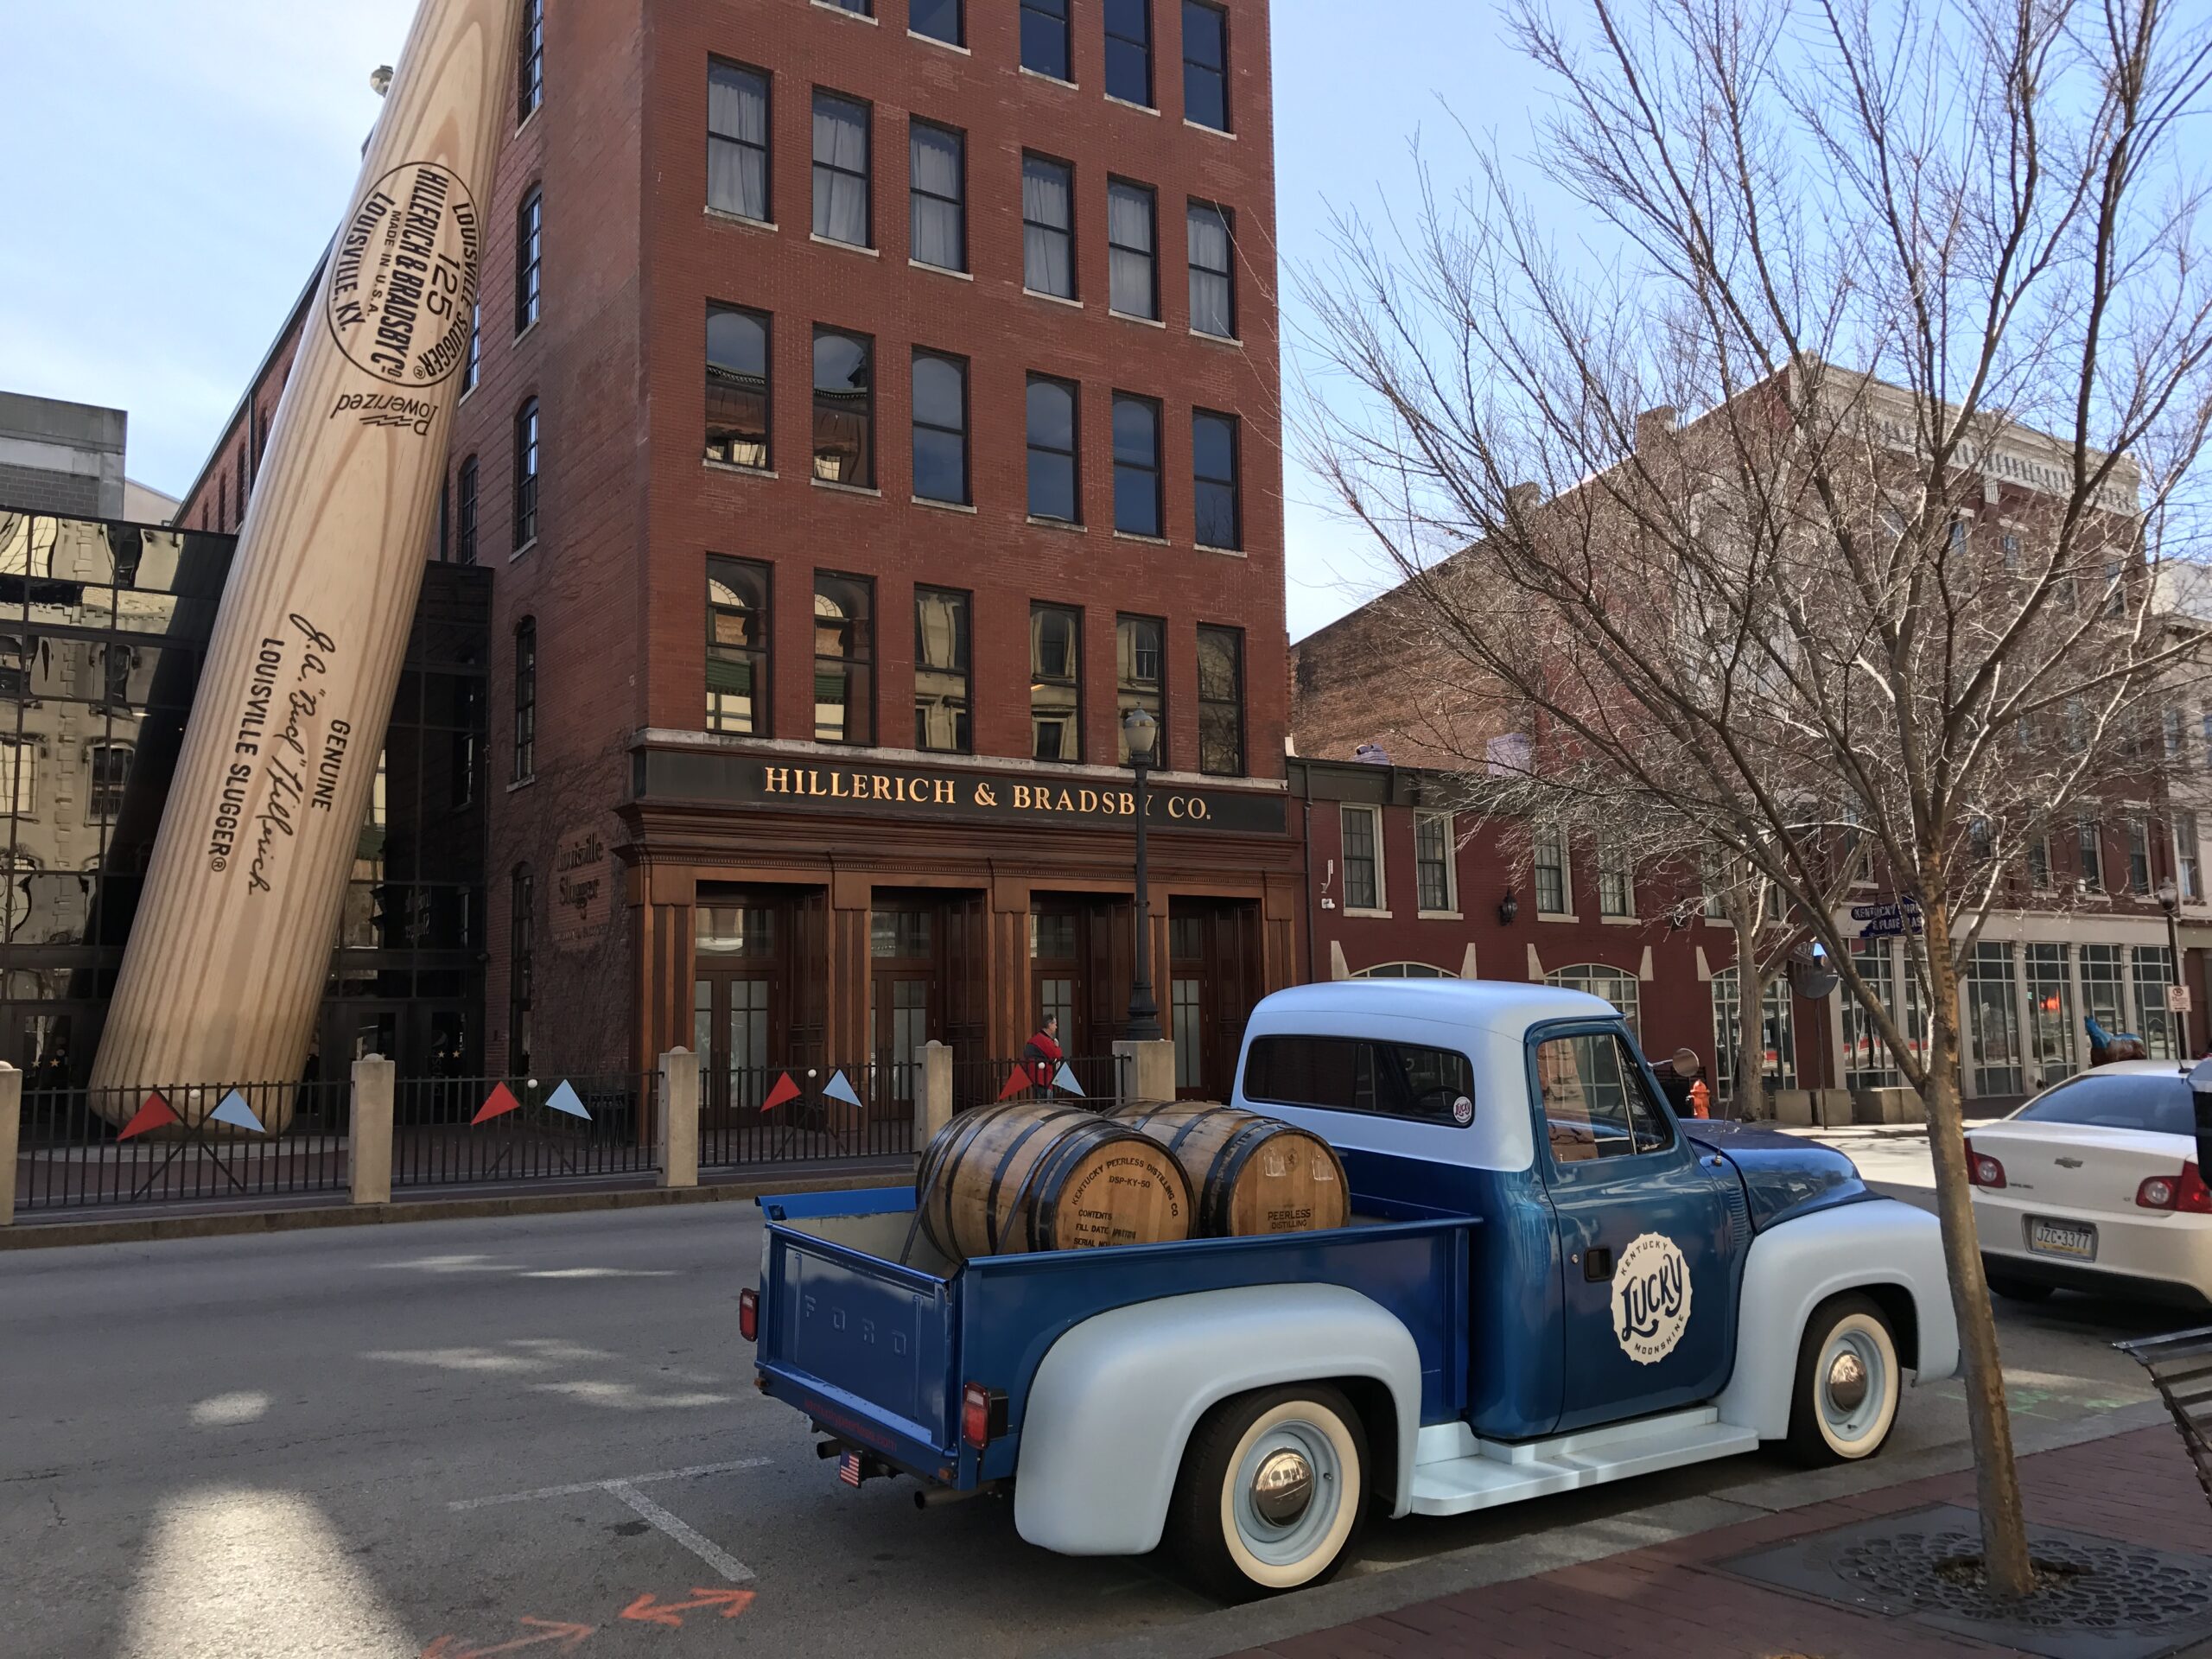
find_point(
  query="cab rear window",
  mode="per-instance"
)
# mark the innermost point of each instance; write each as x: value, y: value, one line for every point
x: 2158, y: 1104
x: 1356, y: 1074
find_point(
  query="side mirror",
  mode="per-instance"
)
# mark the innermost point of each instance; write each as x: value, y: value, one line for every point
x: 2200, y: 1089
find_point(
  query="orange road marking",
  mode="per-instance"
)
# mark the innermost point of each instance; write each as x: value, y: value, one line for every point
x: 646, y: 1611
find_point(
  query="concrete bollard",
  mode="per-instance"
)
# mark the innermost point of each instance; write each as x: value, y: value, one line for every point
x: 11, y: 1124
x: 368, y: 1137
x: 933, y: 1100
x: 1146, y: 1070
x: 678, y: 1131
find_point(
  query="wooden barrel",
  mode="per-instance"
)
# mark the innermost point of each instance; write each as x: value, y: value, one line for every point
x: 1251, y: 1174
x: 1035, y: 1175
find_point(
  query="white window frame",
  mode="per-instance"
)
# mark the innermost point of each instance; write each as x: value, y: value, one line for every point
x: 1608, y: 868
x: 1558, y: 838
x: 1451, y: 911
x: 2189, y: 868
x: 1381, y: 905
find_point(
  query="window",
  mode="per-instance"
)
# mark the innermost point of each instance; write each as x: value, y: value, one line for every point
x: 738, y: 633
x: 1131, y: 233
x: 526, y: 474
x: 1048, y: 227
x: 2188, y: 873
x: 2151, y: 1104
x: 244, y: 495
x: 844, y: 409
x: 19, y: 778
x: 1129, y: 51
x: 2208, y: 738
x: 530, y: 253
x: 941, y: 20
x: 940, y: 428
x: 1404, y: 970
x: 937, y: 218
x: 464, y: 517
x: 1434, y: 885
x: 1777, y: 1032
x: 108, y: 769
x: 841, y: 169
x: 1616, y: 883
x: 737, y: 387
x: 1205, y: 64
x: 1350, y: 1074
x: 1136, y: 465
x: 1218, y: 520
x: 475, y: 367
x: 1992, y: 1019
x: 942, y: 718
x: 2089, y: 841
x: 1213, y: 287
x: 1553, y: 896
x: 2008, y: 545
x: 1056, y: 682
x: 522, y: 938
x: 1142, y: 680
x: 1052, y: 416
x: 1044, y: 38
x: 525, y: 699
x: 2153, y: 968
x: 1187, y: 1027
x: 530, y: 64
x: 2139, y: 854
x: 844, y: 650
x: 1618, y: 985
x: 858, y: 8
x: 2051, y: 1012
x: 1221, y: 702
x: 1363, y: 847
x: 2039, y: 863
x: 737, y: 141
x: 223, y: 508
x: 1595, y: 1103
x: 2176, y: 746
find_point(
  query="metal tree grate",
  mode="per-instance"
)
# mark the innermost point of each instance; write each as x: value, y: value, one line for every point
x: 2181, y: 1370
x: 2081, y: 1584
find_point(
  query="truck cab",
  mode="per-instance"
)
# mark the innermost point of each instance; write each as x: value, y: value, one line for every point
x: 1548, y: 1282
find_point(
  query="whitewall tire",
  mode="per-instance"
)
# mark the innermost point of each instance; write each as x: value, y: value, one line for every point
x: 1272, y: 1493
x: 1849, y: 1382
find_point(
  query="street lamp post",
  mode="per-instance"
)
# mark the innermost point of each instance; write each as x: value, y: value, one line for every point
x: 1142, y: 733
x: 2169, y: 894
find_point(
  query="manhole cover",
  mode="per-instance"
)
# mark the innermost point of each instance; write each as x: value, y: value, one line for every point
x: 2098, y: 1598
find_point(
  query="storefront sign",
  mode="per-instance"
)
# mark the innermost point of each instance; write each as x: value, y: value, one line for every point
x: 918, y: 794
x: 582, y: 888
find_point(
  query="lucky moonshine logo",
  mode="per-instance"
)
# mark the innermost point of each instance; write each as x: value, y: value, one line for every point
x: 403, y: 290
x: 1651, y: 1298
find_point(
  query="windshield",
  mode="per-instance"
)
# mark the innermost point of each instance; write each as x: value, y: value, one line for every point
x: 2139, y: 1101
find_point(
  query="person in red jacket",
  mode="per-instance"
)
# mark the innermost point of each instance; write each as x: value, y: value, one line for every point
x: 1041, y: 1055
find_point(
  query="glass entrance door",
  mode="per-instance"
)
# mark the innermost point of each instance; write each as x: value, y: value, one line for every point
x: 730, y: 1029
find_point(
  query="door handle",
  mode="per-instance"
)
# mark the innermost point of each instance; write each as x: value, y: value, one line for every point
x: 1598, y: 1266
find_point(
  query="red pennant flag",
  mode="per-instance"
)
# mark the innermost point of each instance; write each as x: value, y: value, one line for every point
x: 1017, y: 1080
x: 498, y: 1103
x: 786, y: 1089
x: 155, y: 1114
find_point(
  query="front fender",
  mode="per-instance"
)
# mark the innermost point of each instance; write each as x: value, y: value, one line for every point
x: 1794, y: 1266
x: 1115, y: 1400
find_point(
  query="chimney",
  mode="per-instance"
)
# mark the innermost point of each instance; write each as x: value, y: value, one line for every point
x: 1654, y: 427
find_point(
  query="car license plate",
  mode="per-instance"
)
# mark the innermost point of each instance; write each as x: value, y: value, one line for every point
x: 2061, y: 1238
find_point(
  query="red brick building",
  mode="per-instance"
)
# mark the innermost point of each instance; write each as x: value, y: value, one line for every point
x: 872, y: 402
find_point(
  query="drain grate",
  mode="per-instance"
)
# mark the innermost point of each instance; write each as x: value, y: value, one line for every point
x: 2099, y: 1599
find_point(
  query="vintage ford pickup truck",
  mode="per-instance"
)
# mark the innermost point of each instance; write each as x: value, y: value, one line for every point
x: 1548, y: 1282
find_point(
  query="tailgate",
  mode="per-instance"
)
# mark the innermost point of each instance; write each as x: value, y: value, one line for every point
x: 864, y: 1345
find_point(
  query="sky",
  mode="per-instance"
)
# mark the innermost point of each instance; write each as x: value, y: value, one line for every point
x: 170, y: 170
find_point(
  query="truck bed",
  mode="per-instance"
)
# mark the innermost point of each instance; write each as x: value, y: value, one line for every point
x: 876, y: 1349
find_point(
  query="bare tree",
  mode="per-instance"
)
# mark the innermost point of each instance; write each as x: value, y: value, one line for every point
x: 1934, y: 273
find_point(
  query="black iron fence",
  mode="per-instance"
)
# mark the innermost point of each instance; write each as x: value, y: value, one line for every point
x: 83, y: 1148
x: 479, y: 1131
x: 1093, y: 1081
x: 791, y: 1113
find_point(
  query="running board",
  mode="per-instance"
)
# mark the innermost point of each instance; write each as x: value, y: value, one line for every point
x: 1456, y: 1474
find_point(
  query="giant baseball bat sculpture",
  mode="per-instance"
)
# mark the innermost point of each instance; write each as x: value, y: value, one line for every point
x: 228, y: 956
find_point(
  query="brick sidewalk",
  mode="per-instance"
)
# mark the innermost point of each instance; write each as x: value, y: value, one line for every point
x: 1674, y: 1599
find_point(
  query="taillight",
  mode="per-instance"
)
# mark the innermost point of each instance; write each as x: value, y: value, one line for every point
x: 982, y: 1414
x: 2185, y: 1192
x: 749, y: 1314
x: 1982, y: 1170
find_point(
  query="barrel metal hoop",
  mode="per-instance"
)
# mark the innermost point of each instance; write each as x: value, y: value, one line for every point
x: 1047, y: 1175
x: 998, y: 1175
x: 1229, y: 1163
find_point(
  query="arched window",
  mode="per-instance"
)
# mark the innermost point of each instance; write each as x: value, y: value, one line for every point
x: 1404, y: 970
x: 1617, y: 985
x: 526, y: 474
x: 1780, y: 1031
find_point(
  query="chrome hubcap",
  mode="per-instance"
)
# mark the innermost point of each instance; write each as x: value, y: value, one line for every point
x: 1847, y: 1383
x: 1282, y: 1488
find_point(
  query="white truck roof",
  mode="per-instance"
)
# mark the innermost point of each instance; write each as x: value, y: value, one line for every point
x: 1507, y: 1008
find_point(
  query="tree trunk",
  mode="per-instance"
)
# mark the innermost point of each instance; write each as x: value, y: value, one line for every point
x: 1749, y: 1036
x: 1997, y: 1477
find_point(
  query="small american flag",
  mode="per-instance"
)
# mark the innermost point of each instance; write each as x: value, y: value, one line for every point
x: 848, y: 1468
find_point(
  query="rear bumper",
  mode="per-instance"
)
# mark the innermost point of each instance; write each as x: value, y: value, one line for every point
x: 2155, y: 1256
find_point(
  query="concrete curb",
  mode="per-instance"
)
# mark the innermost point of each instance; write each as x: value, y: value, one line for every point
x: 1527, y: 1554
x: 137, y: 1230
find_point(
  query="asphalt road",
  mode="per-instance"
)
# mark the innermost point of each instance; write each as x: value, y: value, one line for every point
x: 469, y: 1437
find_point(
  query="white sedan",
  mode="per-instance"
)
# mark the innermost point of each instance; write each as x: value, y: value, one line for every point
x: 2095, y: 1184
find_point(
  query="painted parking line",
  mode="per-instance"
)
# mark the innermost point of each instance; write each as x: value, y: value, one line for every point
x: 624, y: 1490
